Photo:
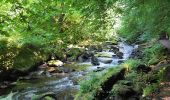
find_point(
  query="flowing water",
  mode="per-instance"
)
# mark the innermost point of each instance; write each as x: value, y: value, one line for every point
x: 63, y: 85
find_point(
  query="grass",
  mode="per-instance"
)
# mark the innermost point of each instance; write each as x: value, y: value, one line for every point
x: 92, y: 83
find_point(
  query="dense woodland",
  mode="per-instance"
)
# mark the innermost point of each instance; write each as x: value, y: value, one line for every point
x: 34, y: 31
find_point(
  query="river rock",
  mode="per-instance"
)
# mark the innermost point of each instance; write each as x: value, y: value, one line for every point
x: 119, y: 55
x: 55, y: 63
x: 51, y: 69
x: 94, y: 61
x: 120, y: 61
x: 114, y: 49
x: 105, y: 60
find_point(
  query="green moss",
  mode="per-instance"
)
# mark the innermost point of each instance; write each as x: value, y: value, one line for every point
x: 92, y: 84
x: 77, y: 67
x: 27, y: 58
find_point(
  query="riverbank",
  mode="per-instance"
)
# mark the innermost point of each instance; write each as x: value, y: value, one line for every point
x: 144, y: 73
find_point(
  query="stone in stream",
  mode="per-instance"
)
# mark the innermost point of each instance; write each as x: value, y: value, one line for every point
x: 94, y: 60
x: 120, y: 61
x: 119, y: 55
x: 114, y: 49
x: 55, y: 63
x: 105, y: 60
x: 52, y: 69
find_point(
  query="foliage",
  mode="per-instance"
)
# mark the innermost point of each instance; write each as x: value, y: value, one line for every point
x: 143, y: 20
x: 131, y: 63
x: 149, y: 89
x: 49, y: 26
x: 93, y: 82
x: 153, y: 54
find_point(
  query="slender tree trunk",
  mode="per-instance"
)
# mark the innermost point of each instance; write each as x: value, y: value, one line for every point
x: 61, y: 18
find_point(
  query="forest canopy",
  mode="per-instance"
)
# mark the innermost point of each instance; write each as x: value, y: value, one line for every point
x: 35, y: 28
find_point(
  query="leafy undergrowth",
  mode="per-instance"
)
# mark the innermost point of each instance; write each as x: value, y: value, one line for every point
x: 136, y: 84
x: 92, y: 83
x: 161, y: 90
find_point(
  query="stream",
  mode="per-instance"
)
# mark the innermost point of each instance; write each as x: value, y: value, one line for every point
x: 65, y: 85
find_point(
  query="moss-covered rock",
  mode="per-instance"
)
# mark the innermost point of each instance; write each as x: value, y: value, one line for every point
x: 76, y: 66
